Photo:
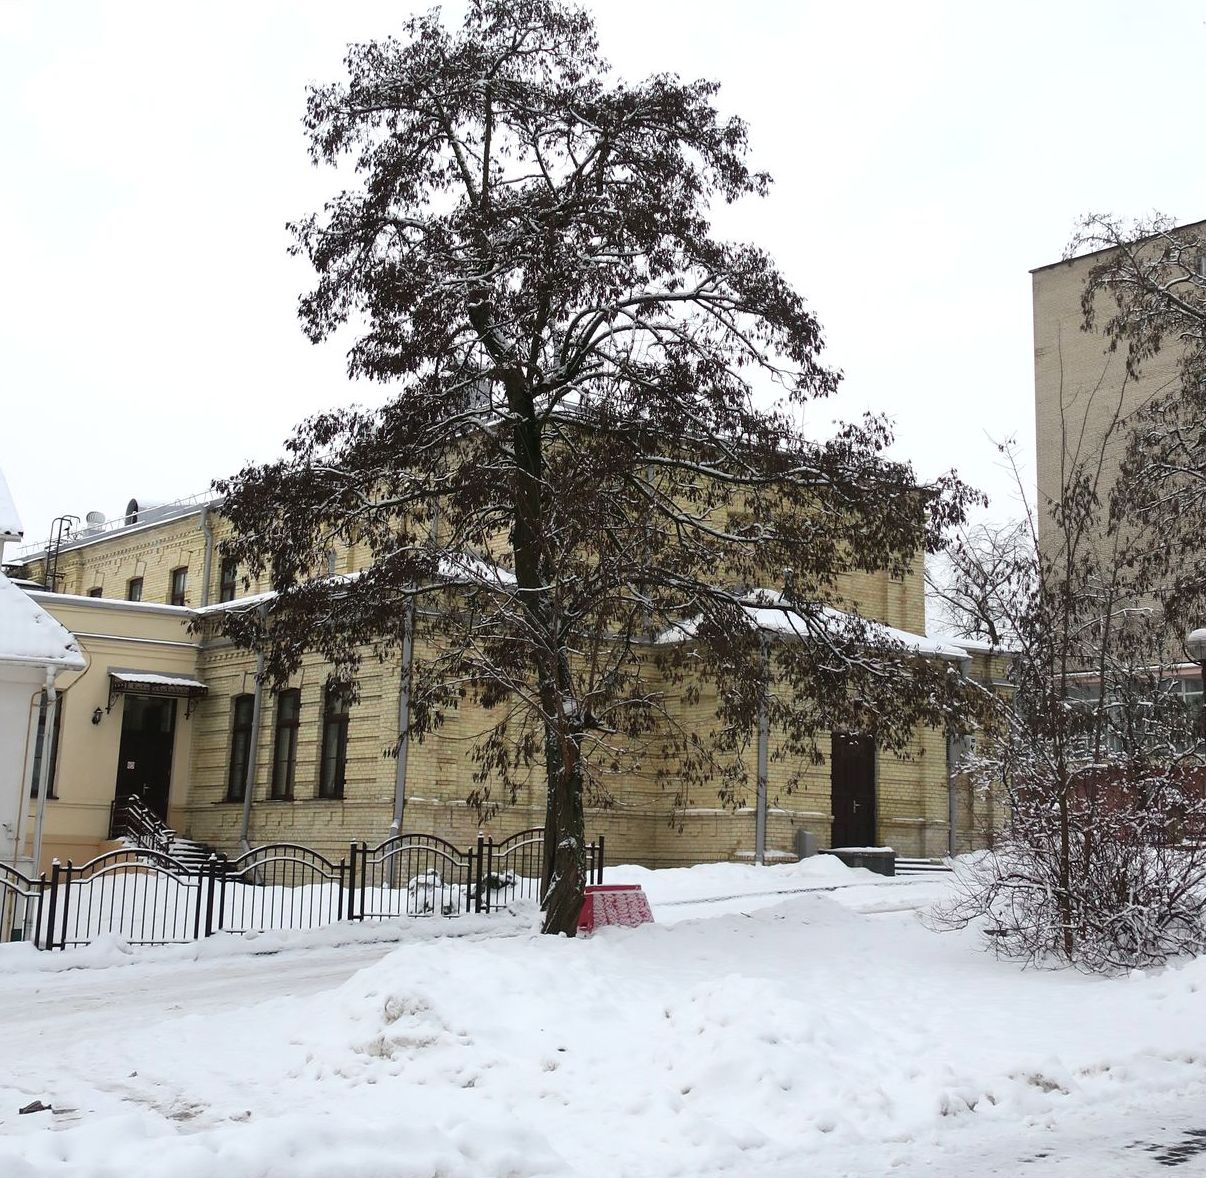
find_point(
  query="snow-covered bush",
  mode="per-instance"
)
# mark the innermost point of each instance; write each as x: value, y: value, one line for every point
x: 1094, y: 743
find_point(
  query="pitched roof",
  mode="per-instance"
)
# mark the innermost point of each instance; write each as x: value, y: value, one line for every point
x: 28, y: 634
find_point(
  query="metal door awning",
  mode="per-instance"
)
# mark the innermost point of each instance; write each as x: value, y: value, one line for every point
x: 155, y: 683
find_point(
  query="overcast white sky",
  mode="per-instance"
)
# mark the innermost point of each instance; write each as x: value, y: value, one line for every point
x: 926, y: 156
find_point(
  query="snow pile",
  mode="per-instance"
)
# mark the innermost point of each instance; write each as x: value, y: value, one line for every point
x: 832, y: 1031
x: 704, y: 881
x: 110, y: 950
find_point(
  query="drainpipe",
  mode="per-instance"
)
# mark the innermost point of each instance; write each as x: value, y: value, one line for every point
x: 408, y: 651
x: 408, y: 659
x: 763, y: 744
x: 253, y: 740
x: 31, y: 738
x: 44, y: 767
x: 208, y: 563
x: 952, y: 757
x: 953, y: 749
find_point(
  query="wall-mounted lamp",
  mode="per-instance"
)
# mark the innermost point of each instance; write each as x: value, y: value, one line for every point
x: 98, y: 715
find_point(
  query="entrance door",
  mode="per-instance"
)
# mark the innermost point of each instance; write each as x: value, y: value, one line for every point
x: 852, y: 789
x: 144, y: 762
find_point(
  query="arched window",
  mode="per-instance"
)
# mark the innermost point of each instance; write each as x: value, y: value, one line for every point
x: 333, y: 766
x: 240, y: 746
x: 284, y: 744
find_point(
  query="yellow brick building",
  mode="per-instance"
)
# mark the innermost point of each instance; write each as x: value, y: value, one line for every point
x: 164, y: 709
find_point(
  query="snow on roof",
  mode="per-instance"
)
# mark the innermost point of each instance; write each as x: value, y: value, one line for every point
x: 235, y: 603
x: 458, y: 568
x: 978, y: 645
x: 159, y: 514
x: 28, y: 634
x: 156, y: 607
x: 10, y: 522
x: 770, y: 613
x: 461, y: 566
x: 156, y: 679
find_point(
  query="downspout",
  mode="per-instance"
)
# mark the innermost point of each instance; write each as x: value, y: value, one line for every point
x: 763, y: 757
x: 31, y: 738
x: 408, y: 659
x: 408, y: 651
x: 952, y: 836
x: 254, y: 740
x: 44, y: 767
x: 953, y: 744
x: 208, y: 563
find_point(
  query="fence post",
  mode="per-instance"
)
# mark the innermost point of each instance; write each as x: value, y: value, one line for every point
x: 477, y: 889
x: 599, y: 862
x: 37, y: 928
x: 66, y: 903
x: 209, y: 882
x: 363, y: 874
x: 202, y: 887
x: 55, y: 871
x: 351, y: 905
x: 343, y: 883
x: 222, y: 869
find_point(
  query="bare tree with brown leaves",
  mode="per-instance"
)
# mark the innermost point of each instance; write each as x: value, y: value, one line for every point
x: 601, y: 401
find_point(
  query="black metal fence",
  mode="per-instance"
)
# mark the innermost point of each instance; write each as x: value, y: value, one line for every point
x: 147, y: 897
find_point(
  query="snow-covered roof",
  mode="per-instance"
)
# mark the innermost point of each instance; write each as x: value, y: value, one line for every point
x: 458, y: 568
x: 147, y: 518
x: 28, y: 634
x: 155, y: 679
x: 977, y: 645
x: 120, y: 603
x: 768, y: 612
x: 10, y: 522
x: 462, y: 567
x: 235, y: 603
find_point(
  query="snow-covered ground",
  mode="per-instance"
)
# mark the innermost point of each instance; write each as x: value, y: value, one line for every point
x: 794, y: 1020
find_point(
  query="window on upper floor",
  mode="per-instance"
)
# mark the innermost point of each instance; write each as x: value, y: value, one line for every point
x: 228, y: 582
x: 333, y: 766
x: 284, y: 743
x: 134, y: 589
x: 240, y: 746
x: 179, y: 585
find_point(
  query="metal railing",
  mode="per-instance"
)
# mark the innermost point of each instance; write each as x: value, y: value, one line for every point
x: 132, y: 819
x: 156, y: 513
x: 146, y: 896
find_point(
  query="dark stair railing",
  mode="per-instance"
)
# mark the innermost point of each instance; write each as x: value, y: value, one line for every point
x: 133, y: 820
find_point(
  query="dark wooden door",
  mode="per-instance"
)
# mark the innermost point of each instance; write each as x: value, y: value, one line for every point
x: 852, y: 787
x: 144, y: 760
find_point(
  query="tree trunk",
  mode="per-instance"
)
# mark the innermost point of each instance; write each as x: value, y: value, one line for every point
x: 564, y: 884
x: 564, y: 880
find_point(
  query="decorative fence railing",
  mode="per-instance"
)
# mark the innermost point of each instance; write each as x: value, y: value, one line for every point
x: 147, y: 897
